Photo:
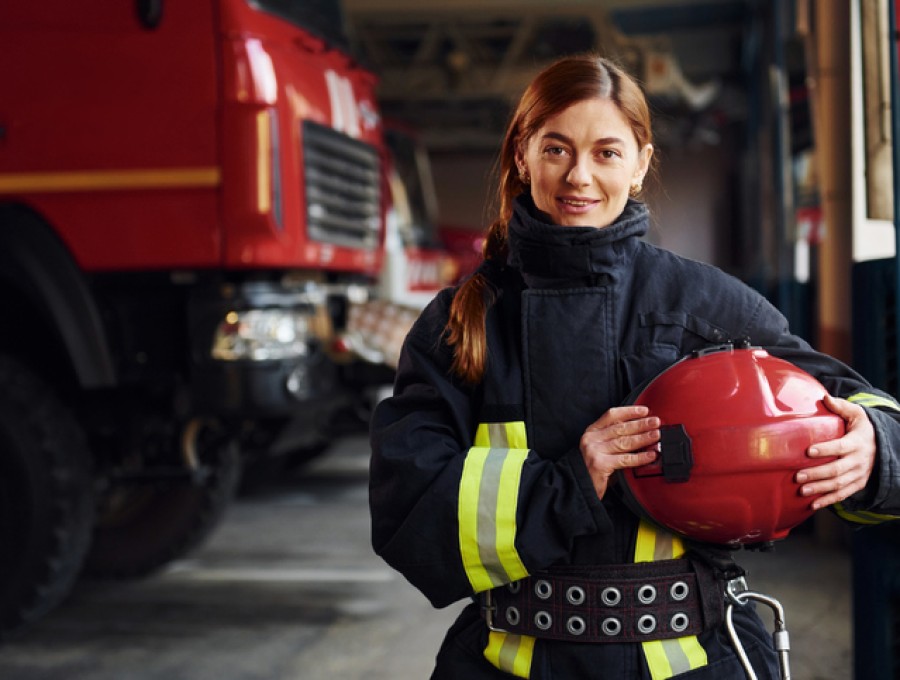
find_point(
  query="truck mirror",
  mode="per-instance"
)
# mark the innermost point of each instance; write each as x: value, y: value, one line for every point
x: 149, y: 12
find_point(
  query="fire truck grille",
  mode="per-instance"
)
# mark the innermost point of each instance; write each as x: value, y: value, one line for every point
x: 343, y: 193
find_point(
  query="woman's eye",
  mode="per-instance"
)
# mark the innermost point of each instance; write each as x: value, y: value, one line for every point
x: 609, y: 154
x: 554, y: 150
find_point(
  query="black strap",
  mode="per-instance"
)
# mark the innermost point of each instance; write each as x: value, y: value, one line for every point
x: 612, y: 604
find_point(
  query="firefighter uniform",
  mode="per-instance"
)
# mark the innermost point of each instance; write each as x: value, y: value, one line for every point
x: 474, y: 488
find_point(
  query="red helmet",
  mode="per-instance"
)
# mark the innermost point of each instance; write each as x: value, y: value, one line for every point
x: 736, y: 427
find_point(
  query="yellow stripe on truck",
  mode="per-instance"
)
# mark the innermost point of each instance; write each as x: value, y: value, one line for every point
x: 111, y: 180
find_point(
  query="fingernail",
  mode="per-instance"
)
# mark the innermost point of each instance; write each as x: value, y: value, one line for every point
x: 813, y: 451
x: 801, y: 477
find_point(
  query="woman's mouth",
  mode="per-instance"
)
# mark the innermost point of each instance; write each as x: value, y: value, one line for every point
x: 576, y: 205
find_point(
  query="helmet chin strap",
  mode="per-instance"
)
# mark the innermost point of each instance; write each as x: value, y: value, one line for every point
x: 738, y: 594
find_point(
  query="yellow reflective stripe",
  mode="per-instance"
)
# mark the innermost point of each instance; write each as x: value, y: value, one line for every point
x: 862, y: 516
x: 645, y: 545
x: 516, y: 436
x: 666, y: 658
x: 510, y: 653
x: 873, y: 400
x: 469, y: 487
x: 653, y: 544
x: 507, y: 503
x: 488, y: 499
x: 502, y: 435
x: 488, y: 534
x: 694, y: 654
x: 677, y: 547
x: 482, y: 436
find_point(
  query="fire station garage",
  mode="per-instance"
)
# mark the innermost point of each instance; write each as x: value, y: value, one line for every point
x: 218, y: 223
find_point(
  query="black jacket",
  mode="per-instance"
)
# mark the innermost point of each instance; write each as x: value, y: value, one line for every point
x: 582, y: 317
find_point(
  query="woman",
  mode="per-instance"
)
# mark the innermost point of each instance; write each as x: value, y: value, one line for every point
x: 492, y: 462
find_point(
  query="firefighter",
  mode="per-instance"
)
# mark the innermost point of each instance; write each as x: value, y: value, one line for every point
x: 493, y: 464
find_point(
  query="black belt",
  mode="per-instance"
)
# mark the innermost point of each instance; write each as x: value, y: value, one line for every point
x: 619, y: 603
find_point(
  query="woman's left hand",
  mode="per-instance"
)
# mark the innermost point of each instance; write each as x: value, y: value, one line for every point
x: 855, y: 458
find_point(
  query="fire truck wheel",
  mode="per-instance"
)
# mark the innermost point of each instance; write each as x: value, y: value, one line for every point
x: 142, y: 527
x: 46, y: 498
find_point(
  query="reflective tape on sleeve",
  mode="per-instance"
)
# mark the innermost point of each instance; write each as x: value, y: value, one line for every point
x: 873, y: 401
x: 862, y: 516
x: 488, y: 501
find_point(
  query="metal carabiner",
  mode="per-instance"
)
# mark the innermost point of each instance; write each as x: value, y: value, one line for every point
x: 737, y: 593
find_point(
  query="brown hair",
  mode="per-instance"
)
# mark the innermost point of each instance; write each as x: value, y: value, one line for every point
x: 564, y: 83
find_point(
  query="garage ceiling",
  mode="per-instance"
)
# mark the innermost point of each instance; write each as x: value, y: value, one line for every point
x: 451, y: 68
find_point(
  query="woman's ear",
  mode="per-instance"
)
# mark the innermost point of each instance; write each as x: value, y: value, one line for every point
x: 520, y: 162
x: 644, y: 156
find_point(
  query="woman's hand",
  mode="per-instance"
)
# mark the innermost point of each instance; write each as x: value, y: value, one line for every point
x: 855, y: 453
x: 623, y: 437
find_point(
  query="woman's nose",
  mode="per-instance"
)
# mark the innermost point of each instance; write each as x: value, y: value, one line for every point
x: 579, y: 175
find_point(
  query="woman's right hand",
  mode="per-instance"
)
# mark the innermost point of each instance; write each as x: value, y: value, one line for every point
x: 624, y: 437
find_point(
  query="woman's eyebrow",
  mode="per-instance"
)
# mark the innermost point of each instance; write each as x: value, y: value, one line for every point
x: 603, y: 141
x: 557, y: 136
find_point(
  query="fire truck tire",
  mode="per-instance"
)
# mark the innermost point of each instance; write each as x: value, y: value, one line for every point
x: 156, y: 523
x: 46, y: 498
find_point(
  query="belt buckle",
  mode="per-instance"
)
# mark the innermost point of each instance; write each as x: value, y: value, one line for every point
x: 488, y: 609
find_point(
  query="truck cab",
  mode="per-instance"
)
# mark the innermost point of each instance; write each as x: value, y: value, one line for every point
x: 192, y: 198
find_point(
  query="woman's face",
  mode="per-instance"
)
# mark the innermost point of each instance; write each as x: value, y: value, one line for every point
x: 582, y: 163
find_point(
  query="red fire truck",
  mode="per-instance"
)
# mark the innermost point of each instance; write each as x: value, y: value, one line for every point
x: 191, y: 200
x: 416, y: 264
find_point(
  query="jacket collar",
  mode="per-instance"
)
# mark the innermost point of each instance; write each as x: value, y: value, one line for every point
x: 549, y: 251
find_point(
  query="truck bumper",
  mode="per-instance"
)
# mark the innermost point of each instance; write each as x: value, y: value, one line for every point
x: 259, y: 351
x: 267, y: 389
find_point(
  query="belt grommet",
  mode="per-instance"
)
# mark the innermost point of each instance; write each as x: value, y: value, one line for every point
x: 514, y: 587
x: 512, y: 616
x: 679, y: 591
x: 679, y: 622
x: 576, y: 625
x: 575, y: 595
x: 543, y: 589
x: 646, y: 624
x: 543, y: 620
x: 646, y: 594
x: 611, y: 596
x: 611, y: 626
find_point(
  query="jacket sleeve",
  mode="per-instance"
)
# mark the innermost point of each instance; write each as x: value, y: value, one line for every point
x: 452, y: 517
x: 880, y: 500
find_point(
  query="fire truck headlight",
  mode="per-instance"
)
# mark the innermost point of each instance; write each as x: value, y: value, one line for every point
x: 262, y: 335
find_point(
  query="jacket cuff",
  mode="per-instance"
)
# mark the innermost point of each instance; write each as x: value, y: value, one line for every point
x: 882, y: 492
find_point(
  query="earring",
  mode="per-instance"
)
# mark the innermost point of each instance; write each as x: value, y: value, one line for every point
x: 635, y: 189
x: 523, y: 176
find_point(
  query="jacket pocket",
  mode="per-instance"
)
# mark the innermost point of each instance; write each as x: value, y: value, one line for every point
x: 689, y: 328
x: 663, y: 339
